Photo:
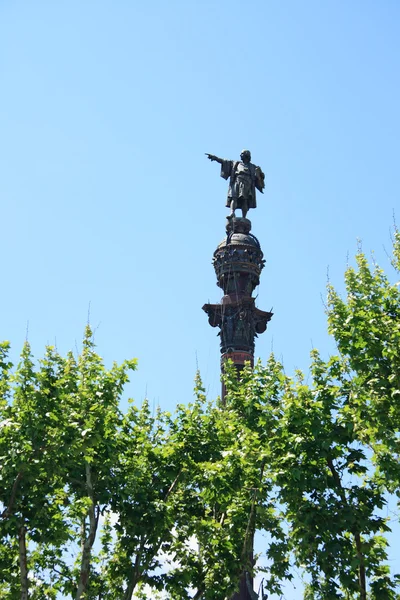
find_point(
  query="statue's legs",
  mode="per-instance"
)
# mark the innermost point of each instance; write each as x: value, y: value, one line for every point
x: 245, y: 207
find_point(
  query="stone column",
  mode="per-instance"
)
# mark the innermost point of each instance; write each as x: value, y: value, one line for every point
x: 238, y: 262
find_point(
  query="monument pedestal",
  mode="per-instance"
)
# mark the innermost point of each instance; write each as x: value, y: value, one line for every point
x: 238, y: 262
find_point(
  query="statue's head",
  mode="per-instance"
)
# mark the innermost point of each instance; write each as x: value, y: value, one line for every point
x: 245, y: 155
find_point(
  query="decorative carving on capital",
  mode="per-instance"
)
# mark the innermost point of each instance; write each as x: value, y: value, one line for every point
x: 238, y: 267
x: 239, y: 324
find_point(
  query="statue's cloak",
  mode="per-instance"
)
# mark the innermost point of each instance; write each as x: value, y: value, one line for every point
x: 228, y: 170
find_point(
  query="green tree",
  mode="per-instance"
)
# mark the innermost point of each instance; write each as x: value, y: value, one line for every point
x: 333, y: 444
x: 366, y: 328
x: 98, y: 504
x: 327, y: 493
x: 32, y: 453
x: 95, y: 503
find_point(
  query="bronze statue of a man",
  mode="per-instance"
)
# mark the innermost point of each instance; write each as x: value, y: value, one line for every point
x: 244, y: 178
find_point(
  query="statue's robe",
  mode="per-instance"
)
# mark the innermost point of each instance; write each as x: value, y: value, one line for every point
x: 237, y: 189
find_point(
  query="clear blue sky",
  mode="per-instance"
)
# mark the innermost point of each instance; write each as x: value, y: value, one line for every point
x: 106, y: 110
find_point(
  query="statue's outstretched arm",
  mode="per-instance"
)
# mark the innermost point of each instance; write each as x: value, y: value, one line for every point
x: 213, y: 157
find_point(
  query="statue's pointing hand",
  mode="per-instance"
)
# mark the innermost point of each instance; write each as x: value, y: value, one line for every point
x: 212, y: 157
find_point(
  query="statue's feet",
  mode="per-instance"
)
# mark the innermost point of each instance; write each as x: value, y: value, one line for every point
x: 237, y: 224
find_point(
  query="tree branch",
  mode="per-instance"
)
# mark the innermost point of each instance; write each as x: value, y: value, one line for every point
x: 23, y: 563
x: 8, y: 510
x: 136, y: 570
x: 135, y: 573
x: 198, y: 594
x: 357, y: 538
x: 252, y: 515
x: 173, y: 485
x: 94, y: 513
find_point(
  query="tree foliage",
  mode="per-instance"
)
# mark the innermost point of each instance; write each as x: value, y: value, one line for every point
x: 333, y: 443
x: 101, y: 504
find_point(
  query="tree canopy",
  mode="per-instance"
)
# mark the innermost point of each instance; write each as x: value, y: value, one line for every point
x: 98, y: 503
